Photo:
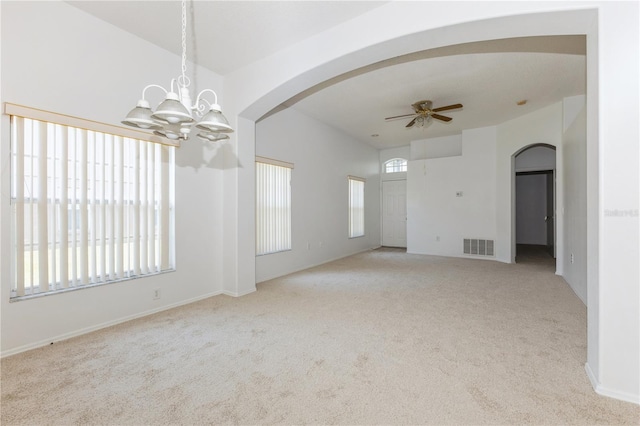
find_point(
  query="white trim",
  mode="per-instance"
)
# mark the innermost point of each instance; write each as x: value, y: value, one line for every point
x: 97, y: 327
x: 356, y: 178
x: 235, y: 294
x: 600, y: 390
x: 273, y: 162
x: 316, y: 264
x: 81, y: 123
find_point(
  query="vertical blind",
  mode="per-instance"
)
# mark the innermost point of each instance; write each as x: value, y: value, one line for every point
x: 273, y: 206
x: 356, y: 207
x: 88, y: 207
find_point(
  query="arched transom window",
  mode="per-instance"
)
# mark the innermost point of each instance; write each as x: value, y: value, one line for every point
x: 395, y: 165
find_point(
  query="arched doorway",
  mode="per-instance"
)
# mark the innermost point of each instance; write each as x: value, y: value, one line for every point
x: 611, y: 351
x: 535, y: 204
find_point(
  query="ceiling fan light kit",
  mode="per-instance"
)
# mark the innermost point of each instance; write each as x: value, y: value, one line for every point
x: 423, y: 113
x: 175, y: 115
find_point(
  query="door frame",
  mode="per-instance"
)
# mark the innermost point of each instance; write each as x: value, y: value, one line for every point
x: 549, y: 173
x: 403, y: 177
x: 557, y: 189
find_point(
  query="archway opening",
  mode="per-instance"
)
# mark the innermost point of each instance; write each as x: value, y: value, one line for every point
x: 535, y: 205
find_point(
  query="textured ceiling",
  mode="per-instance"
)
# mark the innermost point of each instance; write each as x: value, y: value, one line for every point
x: 488, y: 78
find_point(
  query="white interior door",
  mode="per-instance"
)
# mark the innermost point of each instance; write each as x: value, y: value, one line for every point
x: 394, y: 213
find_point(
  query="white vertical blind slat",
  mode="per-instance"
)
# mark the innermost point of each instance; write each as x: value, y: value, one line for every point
x: 93, y: 242
x: 144, y: 235
x: 135, y: 259
x: 120, y: 208
x: 33, y: 212
x: 84, y: 208
x: 52, y: 196
x: 74, y: 206
x: 111, y: 185
x: 102, y: 205
x: 164, y: 208
x: 151, y: 154
x: 64, y: 207
x: 19, y: 225
x: 43, y: 243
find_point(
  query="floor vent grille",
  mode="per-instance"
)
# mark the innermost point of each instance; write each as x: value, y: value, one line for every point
x: 478, y: 247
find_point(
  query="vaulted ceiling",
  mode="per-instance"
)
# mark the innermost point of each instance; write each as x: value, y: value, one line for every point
x: 488, y: 78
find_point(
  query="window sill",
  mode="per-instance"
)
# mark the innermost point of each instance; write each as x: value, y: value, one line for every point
x: 70, y: 289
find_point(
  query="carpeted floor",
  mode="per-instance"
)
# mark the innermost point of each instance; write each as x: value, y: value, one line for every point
x: 382, y: 337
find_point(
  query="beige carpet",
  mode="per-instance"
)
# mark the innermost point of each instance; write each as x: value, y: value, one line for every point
x: 378, y: 338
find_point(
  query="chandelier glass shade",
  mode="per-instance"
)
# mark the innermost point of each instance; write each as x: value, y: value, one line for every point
x: 176, y: 114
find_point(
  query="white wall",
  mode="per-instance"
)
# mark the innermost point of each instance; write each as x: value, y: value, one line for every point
x: 445, y: 146
x: 323, y: 157
x: 543, y: 126
x: 574, y: 143
x: 397, y: 152
x: 438, y: 220
x: 613, y: 183
x: 56, y: 57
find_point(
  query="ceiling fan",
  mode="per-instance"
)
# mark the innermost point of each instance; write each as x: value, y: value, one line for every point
x: 424, y: 113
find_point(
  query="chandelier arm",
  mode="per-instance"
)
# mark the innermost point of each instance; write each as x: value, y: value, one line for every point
x: 153, y: 85
x: 200, y: 98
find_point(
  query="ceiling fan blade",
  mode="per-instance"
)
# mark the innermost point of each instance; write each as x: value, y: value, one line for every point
x: 441, y: 117
x: 412, y: 122
x: 448, y: 107
x: 399, y: 116
x: 421, y: 106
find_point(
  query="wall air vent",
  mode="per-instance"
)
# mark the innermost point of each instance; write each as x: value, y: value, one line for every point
x: 477, y: 247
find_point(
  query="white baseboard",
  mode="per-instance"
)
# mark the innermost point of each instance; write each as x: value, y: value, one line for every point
x: 316, y: 264
x: 610, y: 393
x: 235, y: 294
x: 96, y: 327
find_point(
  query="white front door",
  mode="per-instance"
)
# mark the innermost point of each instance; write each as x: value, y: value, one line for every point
x: 394, y: 213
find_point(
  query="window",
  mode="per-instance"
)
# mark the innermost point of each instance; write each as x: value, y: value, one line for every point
x: 395, y: 165
x: 273, y: 206
x: 87, y: 207
x: 356, y: 207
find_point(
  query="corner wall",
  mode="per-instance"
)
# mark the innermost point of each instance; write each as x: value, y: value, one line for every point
x: 58, y: 58
x: 323, y: 157
x: 574, y: 142
x: 543, y: 126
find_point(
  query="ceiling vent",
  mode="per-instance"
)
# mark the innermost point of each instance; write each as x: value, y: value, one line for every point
x: 478, y: 247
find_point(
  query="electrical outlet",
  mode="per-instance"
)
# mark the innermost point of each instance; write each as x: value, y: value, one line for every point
x: 571, y: 257
x: 156, y: 294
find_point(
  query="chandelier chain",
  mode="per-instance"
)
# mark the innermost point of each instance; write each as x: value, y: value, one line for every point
x: 176, y: 115
x: 184, y: 39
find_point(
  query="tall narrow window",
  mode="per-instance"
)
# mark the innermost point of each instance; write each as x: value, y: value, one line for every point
x: 273, y: 206
x: 88, y: 207
x: 356, y: 207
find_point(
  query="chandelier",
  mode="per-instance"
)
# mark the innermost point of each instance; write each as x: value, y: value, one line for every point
x: 176, y: 115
